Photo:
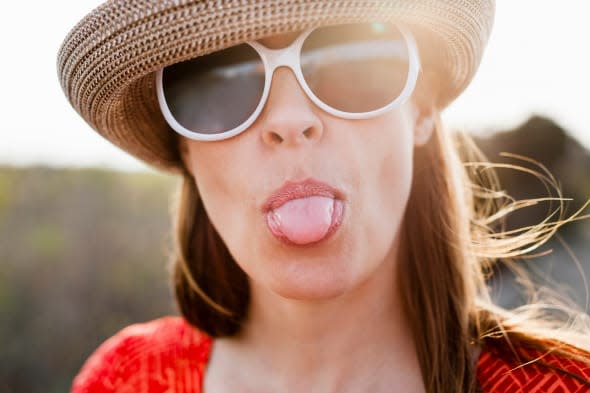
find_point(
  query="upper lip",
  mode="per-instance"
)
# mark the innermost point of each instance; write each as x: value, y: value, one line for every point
x: 301, y: 189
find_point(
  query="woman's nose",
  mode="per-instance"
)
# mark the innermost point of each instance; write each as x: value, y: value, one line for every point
x: 288, y: 118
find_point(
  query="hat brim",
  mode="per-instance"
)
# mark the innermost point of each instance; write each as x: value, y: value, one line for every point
x: 107, y: 63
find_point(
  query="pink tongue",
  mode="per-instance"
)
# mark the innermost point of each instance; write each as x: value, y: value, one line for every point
x: 302, y: 221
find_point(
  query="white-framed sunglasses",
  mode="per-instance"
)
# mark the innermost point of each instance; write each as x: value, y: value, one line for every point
x: 355, y: 71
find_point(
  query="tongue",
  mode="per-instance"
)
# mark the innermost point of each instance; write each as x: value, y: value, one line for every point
x: 302, y: 221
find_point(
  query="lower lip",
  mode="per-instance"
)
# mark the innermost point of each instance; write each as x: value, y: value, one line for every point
x: 336, y: 222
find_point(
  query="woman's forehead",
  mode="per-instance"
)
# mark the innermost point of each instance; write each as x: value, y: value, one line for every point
x: 278, y: 41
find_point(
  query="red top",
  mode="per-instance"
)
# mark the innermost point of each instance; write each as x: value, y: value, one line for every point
x: 169, y: 355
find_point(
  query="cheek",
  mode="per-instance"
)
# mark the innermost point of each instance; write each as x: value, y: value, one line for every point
x: 222, y: 185
x: 386, y: 168
x: 393, y: 172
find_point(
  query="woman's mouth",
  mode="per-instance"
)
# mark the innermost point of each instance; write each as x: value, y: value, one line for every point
x: 304, y: 213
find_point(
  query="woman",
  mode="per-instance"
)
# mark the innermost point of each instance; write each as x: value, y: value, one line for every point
x: 327, y: 235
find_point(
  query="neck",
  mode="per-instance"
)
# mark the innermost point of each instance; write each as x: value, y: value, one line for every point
x: 359, y: 341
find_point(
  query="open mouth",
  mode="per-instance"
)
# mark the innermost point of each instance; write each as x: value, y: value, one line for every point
x: 304, y: 213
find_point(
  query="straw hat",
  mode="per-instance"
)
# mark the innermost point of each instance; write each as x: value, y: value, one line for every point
x: 107, y: 62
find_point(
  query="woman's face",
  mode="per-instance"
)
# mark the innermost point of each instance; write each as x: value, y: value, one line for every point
x: 309, y: 248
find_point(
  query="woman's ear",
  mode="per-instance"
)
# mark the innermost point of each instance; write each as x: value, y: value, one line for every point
x: 423, y: 125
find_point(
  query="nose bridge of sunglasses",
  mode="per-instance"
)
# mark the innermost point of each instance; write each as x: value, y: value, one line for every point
x: 286, y: 57
x: 274, y: 59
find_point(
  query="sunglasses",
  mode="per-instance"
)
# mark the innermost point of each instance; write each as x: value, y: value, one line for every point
x: 355, y: 71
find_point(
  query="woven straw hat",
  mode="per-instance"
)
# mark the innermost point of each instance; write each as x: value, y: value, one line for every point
x: 107, y: 63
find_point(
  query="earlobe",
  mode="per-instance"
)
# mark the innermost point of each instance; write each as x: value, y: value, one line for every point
x: 424, y: 128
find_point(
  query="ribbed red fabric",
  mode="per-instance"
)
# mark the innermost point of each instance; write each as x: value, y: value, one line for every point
x: 164, y: 355
x: 168, y: 355
x: 499, y: 369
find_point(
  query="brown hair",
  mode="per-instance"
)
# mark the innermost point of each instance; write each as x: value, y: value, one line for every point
x: 211, y: 289
x: 450, y: 244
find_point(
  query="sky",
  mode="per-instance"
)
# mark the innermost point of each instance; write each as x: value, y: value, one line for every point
x: 537, y: 62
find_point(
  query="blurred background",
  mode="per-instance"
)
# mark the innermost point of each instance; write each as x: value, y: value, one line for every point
x: 84, y: 228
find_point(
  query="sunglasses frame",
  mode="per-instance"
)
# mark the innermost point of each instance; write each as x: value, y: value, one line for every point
x: 290, y: 57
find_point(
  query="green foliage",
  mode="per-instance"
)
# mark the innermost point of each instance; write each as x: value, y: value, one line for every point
x: 46, y: 240
x: 83, y: 253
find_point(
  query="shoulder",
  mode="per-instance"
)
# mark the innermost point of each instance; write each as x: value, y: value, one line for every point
x: 502, y: 368
x: 155, y: 356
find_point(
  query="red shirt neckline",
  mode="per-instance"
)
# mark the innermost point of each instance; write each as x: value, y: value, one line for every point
x: 168, y: 354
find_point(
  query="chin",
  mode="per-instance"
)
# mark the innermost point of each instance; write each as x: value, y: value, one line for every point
x: 321, y: 273
x: 312, y: 280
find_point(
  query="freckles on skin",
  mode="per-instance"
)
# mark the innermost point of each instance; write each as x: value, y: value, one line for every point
x: 394, y: 172
x: 370, y: 160
x: 219, y: 172
x: 385, y: 178
x: 374, y: 158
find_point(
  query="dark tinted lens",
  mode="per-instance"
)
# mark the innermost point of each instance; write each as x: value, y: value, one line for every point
x: 356, y: 68
x: 215, y: 93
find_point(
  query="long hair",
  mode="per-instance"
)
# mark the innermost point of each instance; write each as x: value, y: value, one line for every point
x: 449, y: 244
x: 436, y: 274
